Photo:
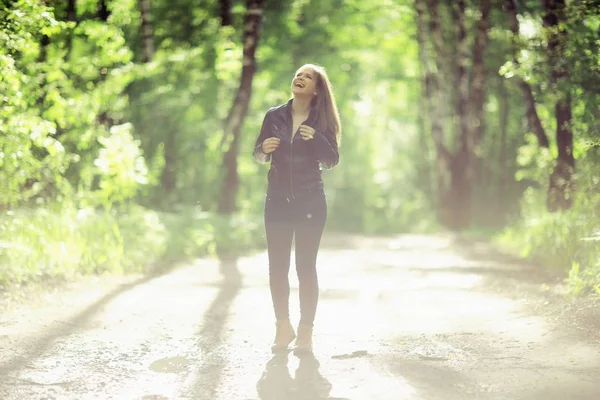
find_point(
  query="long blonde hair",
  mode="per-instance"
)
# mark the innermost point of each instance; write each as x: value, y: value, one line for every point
x: 328, y: 118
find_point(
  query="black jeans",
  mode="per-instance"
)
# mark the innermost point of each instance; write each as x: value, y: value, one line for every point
x: 303, y: 220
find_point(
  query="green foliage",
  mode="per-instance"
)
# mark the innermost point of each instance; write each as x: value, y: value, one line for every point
x: 56, y: 100
x: 46, y: 243
x: 194, y: 233
x: 565, y: 242
x: 117, y: 172
x: 86, y: 124
x: 585, y: 281
x: 552, y: 238
x: 24, y: 133
x: 62, y: 242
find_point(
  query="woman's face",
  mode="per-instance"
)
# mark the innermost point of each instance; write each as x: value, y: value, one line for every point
x: 305, y: 82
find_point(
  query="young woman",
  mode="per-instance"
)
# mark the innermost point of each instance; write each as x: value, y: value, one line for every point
x: 300, y: 138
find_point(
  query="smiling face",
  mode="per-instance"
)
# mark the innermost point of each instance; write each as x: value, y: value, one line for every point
x: 305, y: 82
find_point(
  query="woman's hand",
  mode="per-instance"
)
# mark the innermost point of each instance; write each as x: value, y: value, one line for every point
x: 307, y: 132
x: 270, y: 145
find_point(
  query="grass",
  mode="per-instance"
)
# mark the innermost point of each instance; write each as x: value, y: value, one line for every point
x: 58, y: 243
x: 566, y: 242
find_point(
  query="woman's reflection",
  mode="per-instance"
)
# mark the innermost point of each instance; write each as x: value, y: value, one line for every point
x: 276, y: 382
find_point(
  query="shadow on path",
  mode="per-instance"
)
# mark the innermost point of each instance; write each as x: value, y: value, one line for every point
x: 434, y: 380
x: 561, y: 391
x: 40, y: 345
x: 502, y: 263
x: 490, y: 271
x: 212, y: 335
x: 308, y: 384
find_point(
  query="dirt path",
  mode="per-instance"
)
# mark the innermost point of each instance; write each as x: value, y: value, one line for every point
x: 417, y: 317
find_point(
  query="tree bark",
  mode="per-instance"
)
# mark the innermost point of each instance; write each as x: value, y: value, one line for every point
x: 71, y: 17
x: 458, y: 192
x: 443, y: 62
x: 431, y: 88
x: 42, y: 58
x: 470, y: 112
x: 535, y: 125
x: 477, y: 81
x: 169, y: 177
x: 561, y: 188
x: 461, y: 76
x: 44, y: 43
x: 225, y: 12
x: 456, y: 171
x: 426, y: 173
x: 239, y: 109
x: 71, y: 10
x: 464, y: 166
x: 503, y: 150
x: 146, y: 31
x: 103, y: 12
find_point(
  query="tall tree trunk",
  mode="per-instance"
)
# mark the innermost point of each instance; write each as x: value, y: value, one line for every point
x: 168, y: 179
x: 535, y: 125
x: 44, y: 43
x: 561, y: 188
x: 460, y: 187
x: 463, y: 167
x: 146, y: 31
x: 71, y: 17
x: 71, y: 10
x: 443, y: 63
x: 103, y: 12
x: 502, y: 178
x: 431, y: 88
x: 456, y: 171
x: 42, y: 57
x: 239, y: 109
x: 225, y: 12
x: 462, y: 62
x: 169, y: 175
x: 425, y: 172
x: 477, y: 81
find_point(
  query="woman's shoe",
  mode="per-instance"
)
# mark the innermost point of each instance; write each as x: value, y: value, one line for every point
x: 304, y: 341
x: 284, y: 335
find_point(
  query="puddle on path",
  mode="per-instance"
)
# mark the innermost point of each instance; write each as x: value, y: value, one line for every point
x: 169, y: 365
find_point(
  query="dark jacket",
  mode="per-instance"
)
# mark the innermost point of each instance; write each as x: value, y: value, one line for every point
x: 296, y: 165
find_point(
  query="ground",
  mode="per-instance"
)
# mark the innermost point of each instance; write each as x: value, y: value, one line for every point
x: 410, y: 317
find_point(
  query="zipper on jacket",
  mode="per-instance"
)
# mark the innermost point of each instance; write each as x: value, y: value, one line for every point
x: 291, y: 165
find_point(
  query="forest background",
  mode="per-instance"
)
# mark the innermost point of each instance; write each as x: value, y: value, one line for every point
x: 127, y: 127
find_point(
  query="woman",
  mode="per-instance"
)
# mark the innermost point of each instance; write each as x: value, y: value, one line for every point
x: 300, y: 138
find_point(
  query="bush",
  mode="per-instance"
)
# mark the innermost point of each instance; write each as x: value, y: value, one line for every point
x: 566, y: 242
x: 193, y: 233
x: 60, y: 243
